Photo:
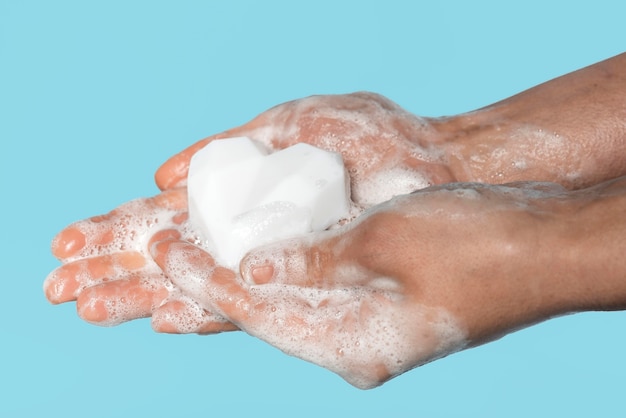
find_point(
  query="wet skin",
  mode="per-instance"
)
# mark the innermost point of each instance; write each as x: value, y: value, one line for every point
x: 569, y: 131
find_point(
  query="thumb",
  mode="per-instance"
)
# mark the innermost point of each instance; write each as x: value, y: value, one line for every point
x: 309, y: 261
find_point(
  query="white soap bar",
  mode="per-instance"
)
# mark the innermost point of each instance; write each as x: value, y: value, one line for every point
x: 240, y: 196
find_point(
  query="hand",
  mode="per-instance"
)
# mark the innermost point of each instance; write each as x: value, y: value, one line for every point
x: 107, y: 268
x: 386, y: 150
x: 410, y: 281
x: 548, y: 133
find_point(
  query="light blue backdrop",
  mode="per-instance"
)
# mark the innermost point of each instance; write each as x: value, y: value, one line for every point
x: 94, y: 95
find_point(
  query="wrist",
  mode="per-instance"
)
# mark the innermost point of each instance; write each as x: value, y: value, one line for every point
x: 541, y: 258
x: 475, y: 146
x: 565, y: 131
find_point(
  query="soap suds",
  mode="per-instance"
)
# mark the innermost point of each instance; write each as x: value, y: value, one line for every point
x: 365, y: 335
x: 108, y: 238
x: 526, y: 155
x: 386, y: 184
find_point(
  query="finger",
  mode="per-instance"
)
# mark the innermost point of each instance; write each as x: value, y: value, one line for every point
x: 120, y: 301
x: 122, y: 229
x: 308, y: 261
x: 316, y: 325
x: 218, y: 289
x: 65, y: 283
x: 174, y: 171
x: 185, y: 316
x: 190, y: 268
x: 195, y: 272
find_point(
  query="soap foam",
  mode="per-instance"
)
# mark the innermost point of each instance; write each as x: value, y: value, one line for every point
x: 366, y: 334
x: 368, y: 130
x: 387, y: 184
x: 132, y: 225
x: 355, y: 332
x: 128, y: 228
x: 524, y: 155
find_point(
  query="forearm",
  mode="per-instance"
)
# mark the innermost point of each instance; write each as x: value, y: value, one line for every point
x: 592, y: 242
x: 578, y: 260
x: 570, y: 130
x: 531, y: 252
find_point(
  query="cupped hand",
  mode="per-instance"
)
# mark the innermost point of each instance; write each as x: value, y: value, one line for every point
x: 409, y: 281
x: 386, y: 150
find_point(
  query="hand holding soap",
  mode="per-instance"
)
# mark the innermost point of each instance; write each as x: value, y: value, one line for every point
x: 240, y: 196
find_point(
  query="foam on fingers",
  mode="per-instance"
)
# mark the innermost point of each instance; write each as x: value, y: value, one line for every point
x: 119, y: 301
x: 66, y: 282
x: 184, y: 316
x: 197, y: 275
x: 365, y: 335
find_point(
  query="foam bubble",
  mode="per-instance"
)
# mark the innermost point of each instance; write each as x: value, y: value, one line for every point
x: 386, y: 184
x: 129, y: 228
x: 356, y: 332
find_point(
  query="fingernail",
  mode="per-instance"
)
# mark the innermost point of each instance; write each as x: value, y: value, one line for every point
x: 262, y: 274
x: 158, y: 250
x: 68, y: 243
x: 256, y: 270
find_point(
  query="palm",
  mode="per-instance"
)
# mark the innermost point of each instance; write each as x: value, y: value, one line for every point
x: 365, y: 335
x: 107, y: 267
x: 334, y: 303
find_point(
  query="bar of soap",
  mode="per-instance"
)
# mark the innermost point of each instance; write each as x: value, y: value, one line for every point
x: 241, y: 196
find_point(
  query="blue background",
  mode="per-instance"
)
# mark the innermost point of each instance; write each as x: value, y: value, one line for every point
x: 94, y: 96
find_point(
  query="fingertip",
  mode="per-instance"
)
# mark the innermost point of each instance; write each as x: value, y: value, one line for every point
x: 61, y: 285
x: 165, y: 327
x: 186, y: 317
x: 51, y: 291
x: 172, y: 318
x: 158, y: 251
x: 173, y: 199
x: 171, y: 254
x: 93, y: 309
x: 162, y: 236
x: 256, y: 270
x: 68, y: 242
x: 185, y: 264
x: 173, y: 172
x: 279, y: 262
x: 165, y: 235
x: 170, y: 173
x: 115, y: 302
x: 296, y: 261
